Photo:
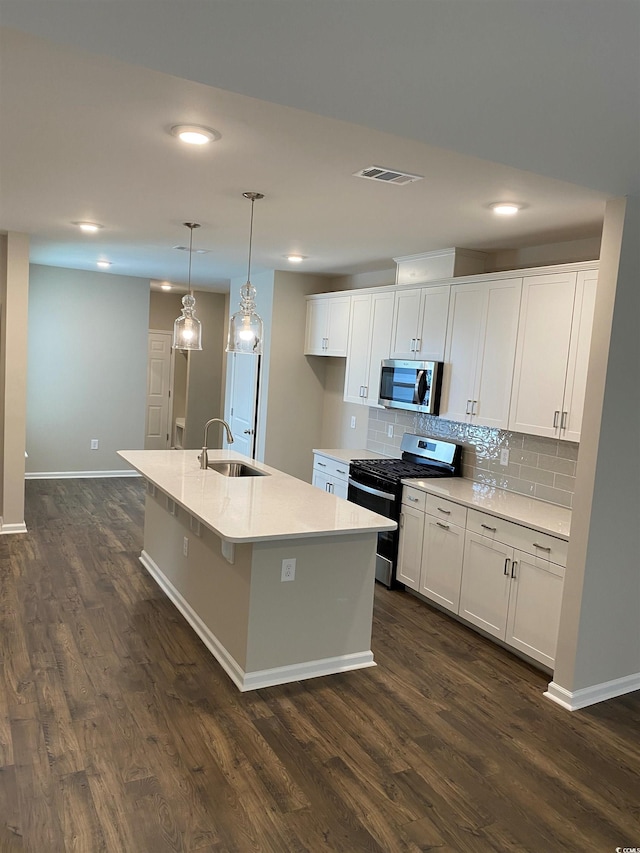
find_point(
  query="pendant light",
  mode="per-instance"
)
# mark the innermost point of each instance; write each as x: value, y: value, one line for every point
x: 187, y: 329
x: 245, y: 326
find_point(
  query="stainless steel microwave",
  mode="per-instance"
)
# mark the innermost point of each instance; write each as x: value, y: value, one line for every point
x: 412, y: 385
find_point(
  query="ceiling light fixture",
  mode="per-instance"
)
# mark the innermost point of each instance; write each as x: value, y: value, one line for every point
x: 505, y: 208
x: 245, y: 326
x: 295, y: 259
x: 165, y: 286
x: 103, y: 264
x: 187, y: 329
x: 88, y: 227
x: 194, y: 134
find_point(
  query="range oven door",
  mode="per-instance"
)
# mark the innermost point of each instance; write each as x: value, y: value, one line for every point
x: 386, y: 504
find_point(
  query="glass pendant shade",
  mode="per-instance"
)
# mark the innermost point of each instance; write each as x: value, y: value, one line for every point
x: 187, y: 329
x: 246, y: 330
x: 245, y: 326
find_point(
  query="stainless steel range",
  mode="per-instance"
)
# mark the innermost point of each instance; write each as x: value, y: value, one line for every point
x: 377, y: 485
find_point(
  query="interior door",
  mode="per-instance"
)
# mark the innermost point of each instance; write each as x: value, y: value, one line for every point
x: 245, y: 370
x: 159, y: 378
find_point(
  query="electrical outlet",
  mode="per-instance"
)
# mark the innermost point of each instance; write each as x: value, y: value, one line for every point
x: 390, y: 431
x: 504, y: 456
x: 185, y: 546
x: 288, y: 569
x: 94, y: 443
x: 353, y: 421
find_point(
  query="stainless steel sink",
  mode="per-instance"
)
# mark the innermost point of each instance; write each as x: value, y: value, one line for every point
x: 235, y: 469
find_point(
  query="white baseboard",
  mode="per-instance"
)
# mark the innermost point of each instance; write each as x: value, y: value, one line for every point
x: 574, y: 700
x: 245, y: 681
x: 19, y: 527
x: 71, y: 475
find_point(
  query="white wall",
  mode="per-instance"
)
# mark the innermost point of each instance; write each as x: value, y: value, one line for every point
x: 87, y: 368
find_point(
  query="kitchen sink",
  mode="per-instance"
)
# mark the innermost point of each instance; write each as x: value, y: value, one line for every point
x: 235, y: 469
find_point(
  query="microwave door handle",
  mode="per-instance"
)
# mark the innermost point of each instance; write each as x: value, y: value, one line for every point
x: 417, y: 390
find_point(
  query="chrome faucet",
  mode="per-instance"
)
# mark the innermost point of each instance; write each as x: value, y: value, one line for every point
x: 204, y: 456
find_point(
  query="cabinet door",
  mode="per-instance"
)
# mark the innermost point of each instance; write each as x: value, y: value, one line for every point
x: 442, y: 550
x: 355, y: 379
x: 576, y: 382
x: 406, y: 313
x: 486, y: 580
x: 460, y: 362
x: 317, y: 314
x: 496, y: 355
x: 379, y: 344
x: 338, y: 325
x: 410, y: 546
x: 542, y: 353
x: 432, y: 325
x: 340, y: 488
x: 534, y: 607
x: 320, y: 480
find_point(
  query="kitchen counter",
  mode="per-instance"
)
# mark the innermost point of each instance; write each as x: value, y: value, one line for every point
x: 275, y: 576
x: 251, y: 509
x: 536, y: 514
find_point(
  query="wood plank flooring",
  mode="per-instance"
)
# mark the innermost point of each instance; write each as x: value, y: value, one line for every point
x: 119, y: 732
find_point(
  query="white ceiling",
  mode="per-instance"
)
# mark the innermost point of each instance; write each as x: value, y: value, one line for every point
x: 304, y: 93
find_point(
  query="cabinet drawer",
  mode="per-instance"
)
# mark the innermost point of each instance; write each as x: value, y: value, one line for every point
x: 414, y: 497
x: 330, y: 468
x: 446, y: 510
x: 523, y: 538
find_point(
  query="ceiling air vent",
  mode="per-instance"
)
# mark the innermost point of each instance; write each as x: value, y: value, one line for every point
x: 387, y: 176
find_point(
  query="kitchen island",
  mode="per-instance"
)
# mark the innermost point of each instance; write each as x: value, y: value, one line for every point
x: 276, y: 577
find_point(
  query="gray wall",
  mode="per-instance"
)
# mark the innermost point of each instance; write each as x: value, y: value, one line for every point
x: 87, y: 368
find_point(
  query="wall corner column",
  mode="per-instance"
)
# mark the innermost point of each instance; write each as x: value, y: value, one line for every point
x: 598, y: 651
x: 14, y: 304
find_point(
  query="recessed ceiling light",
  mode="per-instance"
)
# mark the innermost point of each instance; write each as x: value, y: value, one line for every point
x: 505, y: 208
x: 89, y: 227
x: 165, y: 286
x: 103, y: 264
x: 194, y: 134
x: 295, y: 259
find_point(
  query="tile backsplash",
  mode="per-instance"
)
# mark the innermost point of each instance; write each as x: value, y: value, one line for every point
x: 543, y: 468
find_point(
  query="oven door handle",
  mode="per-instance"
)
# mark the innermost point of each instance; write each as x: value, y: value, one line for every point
x: 371, y: 491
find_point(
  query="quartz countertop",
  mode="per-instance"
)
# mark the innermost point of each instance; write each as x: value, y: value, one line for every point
x: 536, y: 514
x: 349, y: 455
x: 251, y: 509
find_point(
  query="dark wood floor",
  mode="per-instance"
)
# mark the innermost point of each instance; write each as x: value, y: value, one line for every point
x: 119, y: 732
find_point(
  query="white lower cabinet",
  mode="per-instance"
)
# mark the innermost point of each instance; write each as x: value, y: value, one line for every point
x: 330, y: 475
x: 493, y: 573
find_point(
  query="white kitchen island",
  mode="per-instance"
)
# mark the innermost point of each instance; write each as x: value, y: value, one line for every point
x: 216, y: 546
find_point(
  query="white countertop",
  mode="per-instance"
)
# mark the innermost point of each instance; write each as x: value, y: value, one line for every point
x: 251, y: 509
x: 349, y: 455
x: 545, y: 517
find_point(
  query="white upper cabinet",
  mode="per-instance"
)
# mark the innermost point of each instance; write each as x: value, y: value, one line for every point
x: 369, y: 343
x: 552, y: 355
x: 420, y: 323
x: 327, y: 325
x: 480, y: 351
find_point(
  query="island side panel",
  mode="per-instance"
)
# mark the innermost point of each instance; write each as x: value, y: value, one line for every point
x: 326, y: 612
x: 215, y: 590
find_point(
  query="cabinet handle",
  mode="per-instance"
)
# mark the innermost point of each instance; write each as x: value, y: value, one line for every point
x: 445, y: 511
x: 513, y: 569
x: 413, y: 500
x: 556, y: 415
x: 506, y: 566
x: 474, y: 403
x: 486, y: 527
x: 541, y: 547
x: 417, y: 340
x: 467, y: 412
x: 321, y: 464
x: 412, y: 346
x: 563, y: 420
x: 340, y: 471
x: 401, y: 521
x: 366, y: 390
x: 443, y: 526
